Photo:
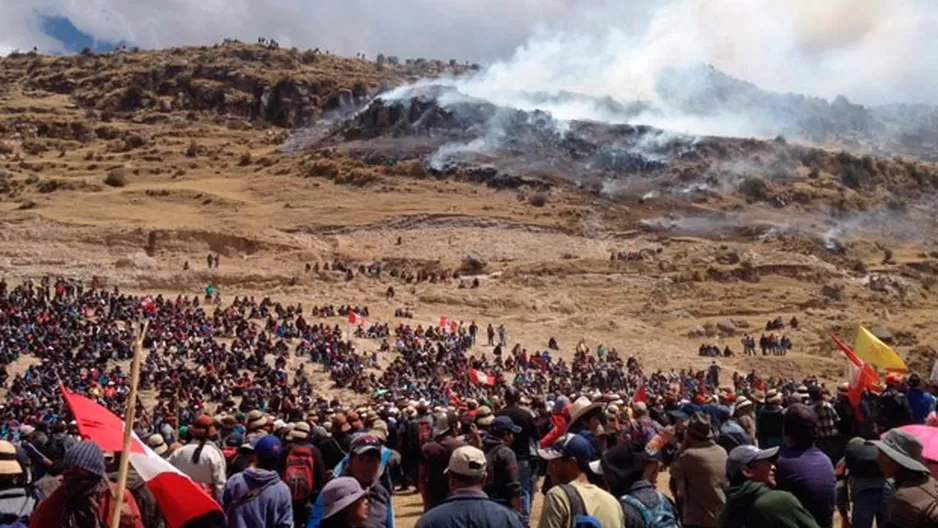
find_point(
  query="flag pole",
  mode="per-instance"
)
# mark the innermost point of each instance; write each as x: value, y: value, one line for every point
x: 129, y: 423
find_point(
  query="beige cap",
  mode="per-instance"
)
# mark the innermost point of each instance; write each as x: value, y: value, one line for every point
x: 467, y: 461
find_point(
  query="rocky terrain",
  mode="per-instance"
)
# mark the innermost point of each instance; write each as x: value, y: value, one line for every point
x: 127, y: 165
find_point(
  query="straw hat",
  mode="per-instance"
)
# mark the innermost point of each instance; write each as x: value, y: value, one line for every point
x: 300, y: 431
x: 9, y: 464
x: 256, y: 420
x: 581, y: 406
x: 157, y: 444
x: 484, y: 416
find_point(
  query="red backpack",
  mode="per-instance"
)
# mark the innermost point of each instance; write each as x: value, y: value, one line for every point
x: 298, y: 473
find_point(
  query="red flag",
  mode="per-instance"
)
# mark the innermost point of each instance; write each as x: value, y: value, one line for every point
x: 442, y: 321
x: 180, y: 499
x: 355, y: 319
x: 640, y: 395
x: 860, y: 376
x: 453, y: 326
x: 481, y: 378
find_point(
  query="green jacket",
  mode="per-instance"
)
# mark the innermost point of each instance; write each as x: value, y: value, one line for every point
x: 753, y: 504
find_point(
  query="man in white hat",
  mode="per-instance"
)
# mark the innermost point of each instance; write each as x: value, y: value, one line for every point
x: 467, y: 504
x: 303, y: 471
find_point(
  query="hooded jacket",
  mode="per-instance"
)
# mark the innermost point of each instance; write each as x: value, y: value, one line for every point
x: 504, y: 483
x: 272, y: 508
x: 753, y: 504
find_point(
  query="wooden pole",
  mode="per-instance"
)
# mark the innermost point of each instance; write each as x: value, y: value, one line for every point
x: 129, y: 424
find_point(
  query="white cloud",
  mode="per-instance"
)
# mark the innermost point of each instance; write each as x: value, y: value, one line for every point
x: 870, y: 50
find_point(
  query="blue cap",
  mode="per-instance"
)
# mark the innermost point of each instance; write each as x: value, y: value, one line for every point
x: 268, y: 447
x: 504, y: 423
x: 569, y: 445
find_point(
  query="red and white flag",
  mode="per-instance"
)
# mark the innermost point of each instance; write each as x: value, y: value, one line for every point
x: 442, y: 321
x: 641, y: 395
x: 860, y: 376
x: 180, y: 499
x: 481, y: 378
x: 355, y: 319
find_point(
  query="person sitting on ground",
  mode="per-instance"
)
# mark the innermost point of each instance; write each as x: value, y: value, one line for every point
x: 574, y: 496
x: 345, y: 504
x: 257, y: 496
x: 467, y: 504
x: 643, y: 506
x: 915, y: 502
x: 751, y: 499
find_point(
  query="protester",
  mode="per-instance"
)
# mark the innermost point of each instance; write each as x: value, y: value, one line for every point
x: 643, y: 506
x: 84, y: 499
x: 17, y: 502
x: 504, y: 485
x: 365, y: 466
x: 915, y: 502
x: 301, y: 469
x: 345, y: 504
x: 202, y: 461
x: 574, y: 495
x: 861, y: 483
x: 467, y: 504
x: 803, y: 469
x: 433, y: 483
x: 699, y: 472
x: 524, y: 442
x: 751, y: 499
x: 257, y: 496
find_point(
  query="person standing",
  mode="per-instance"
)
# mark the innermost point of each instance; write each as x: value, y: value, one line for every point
x: 699, y: 473
x: 524, y: 445
x: 915, y: 503
x: 467, y: 504
x: 434, y: 459
x: 303, y: 472
x: 504, y: 484
x: 803, y: 469
x: 17, y: 502
x: 257, y: 496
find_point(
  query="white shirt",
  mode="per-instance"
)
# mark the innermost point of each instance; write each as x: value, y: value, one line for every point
x: 210, y: 470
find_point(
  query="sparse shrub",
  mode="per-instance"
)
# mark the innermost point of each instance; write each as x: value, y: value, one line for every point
x: 193, y: 149
x: 381, y: 59
x: 116, y: 178
x: 538, y: 199
x: 359, y: 89
x: 452, y: 63
x: 780, y: 139
x: 472, y: 265
x: 814, y: 174
x: 394, y: 60
x: 754, y: 188
x: 86, y: 52
x: 245, y: 159
x: 323, y: 169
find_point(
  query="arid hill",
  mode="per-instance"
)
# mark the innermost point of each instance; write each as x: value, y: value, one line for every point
x: 129, y: 165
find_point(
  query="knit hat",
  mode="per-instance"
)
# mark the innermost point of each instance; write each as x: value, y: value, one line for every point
x: 85, y: 455
x: 204, y: 427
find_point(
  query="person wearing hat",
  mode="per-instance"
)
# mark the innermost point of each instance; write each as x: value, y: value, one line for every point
x: 803, y: 469
x: 915, y: 502
x: 257, y: 496
x: 150, y: 513
x: 504, y: 484
x: 335, y: 446
x: 744, y: 413
x: 345, y: 504
x: 769, y: 421
x: 921, y: 402
x: 303, y: 471
x: 894, y: 408
x: 573, y: 496
x: 256, y: 422
x: 157, y: 443
x: 83, y: 497
x: 202, y: 460
x: 699, y: 474
x: 434, y: 458
x: 467, y: 503
x: 484, y: 418
x: 365, y: 465
x: 751, y: 499
x: 861, y: 482
x: 523, y: 444
x: 623, y: 469
x: 827, y: 435
x: 17, y: 502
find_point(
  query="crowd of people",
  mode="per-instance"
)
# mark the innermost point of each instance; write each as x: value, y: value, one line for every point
x: 476, y: 429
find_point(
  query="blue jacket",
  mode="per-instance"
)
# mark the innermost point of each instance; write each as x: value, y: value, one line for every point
x: 273, y: 508
x: 921, y: 404
x: 470, y: 509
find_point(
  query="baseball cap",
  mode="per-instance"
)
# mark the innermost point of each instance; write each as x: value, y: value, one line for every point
x: 268, y: 447
x: 364, y: 443
x: 744, y: 455
x: 467, y: 461
x: 504, y: 423
x: 568, y: 445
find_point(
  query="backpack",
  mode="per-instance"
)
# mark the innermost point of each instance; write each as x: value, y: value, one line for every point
x: 298, y: 473
x: 424, y: 432
x: 661, y: 516
x: 129, y: 513
x: 578, y: 515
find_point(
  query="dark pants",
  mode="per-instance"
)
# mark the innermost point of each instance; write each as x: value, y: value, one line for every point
x: 301, y: 511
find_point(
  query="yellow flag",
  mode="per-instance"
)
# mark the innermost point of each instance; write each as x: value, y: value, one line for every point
x: 870, y: 349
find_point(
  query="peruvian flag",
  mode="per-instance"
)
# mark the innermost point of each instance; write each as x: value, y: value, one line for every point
x: 355, y: 319
x: 148, y: 305
x: 860, y: 375
x: 442, y: 321
x: 640, y: 395
x: 180, y: 499
x: 481, y: 378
